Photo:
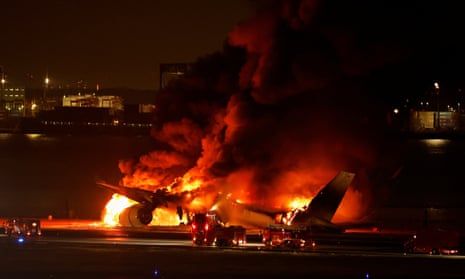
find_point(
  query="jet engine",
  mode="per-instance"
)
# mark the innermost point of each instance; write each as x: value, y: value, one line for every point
x: 136, y: 216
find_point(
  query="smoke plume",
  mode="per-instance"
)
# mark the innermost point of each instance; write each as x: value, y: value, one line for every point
x: 275, y: 115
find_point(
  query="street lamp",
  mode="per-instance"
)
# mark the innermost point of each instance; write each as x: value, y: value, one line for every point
x: 3, y: 81
x: 436, y: 89
x: 46, y: 82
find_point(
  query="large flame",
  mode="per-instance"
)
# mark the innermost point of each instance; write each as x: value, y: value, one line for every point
x: 118, y: 203
x: 114, y: 207
x: 349, y: 209
x: 166, y: 217
x: 299, y: 202
x: 162, y: 216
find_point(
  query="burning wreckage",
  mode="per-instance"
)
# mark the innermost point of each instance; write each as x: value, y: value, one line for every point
x: 318, y: 213
x: 267, y: 123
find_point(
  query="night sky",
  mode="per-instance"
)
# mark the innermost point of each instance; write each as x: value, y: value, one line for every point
x: 112, y: 43
x: 121, y: 43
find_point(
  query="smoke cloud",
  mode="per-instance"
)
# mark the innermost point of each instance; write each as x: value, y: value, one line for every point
x: 284, y: 107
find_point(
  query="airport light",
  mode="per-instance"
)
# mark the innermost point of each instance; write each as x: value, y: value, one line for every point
x: 3, y: 81
x: 3, y: 85
x: 46, y: 82
x: 436, y: 89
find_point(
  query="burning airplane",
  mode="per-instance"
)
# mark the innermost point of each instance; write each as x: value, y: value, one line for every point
x: 317, y: 213
x: 267, y: 121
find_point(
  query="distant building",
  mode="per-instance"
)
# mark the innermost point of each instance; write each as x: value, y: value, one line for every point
x: 13, y: 100
x: 436, y: 121
x: 172, y: 71
x: 76, y: 107
x: 422, y: 120
x: 90, y: 100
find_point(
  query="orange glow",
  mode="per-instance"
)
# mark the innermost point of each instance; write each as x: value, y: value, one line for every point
x: 201, y: 198
x: 162, y: 216
x: 351, y: 208
x: 114, y: 207
x: 118, y: 203
x: 298, y: 202
x: 188, y: 184
x: 166, y: 217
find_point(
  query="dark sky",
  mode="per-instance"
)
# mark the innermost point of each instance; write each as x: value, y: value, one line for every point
x: 112, y: 43
x: 121, y: 43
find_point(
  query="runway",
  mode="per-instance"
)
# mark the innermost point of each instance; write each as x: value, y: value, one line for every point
x: 63, y: 252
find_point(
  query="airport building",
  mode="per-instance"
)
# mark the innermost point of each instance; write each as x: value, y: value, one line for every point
x: 423, y: 121
x: 13, y: 100
x: 172, y: 71
x: 26, y: 110
x: 91, y: 100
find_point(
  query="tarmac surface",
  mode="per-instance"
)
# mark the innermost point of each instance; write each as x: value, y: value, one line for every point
x: 82, y: 252
x: 77, y: 260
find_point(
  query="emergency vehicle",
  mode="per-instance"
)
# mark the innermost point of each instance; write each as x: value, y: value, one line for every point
x: 22, y: 227
x: 287, y: 236
x: 433, y: 242
x: 206, y: 229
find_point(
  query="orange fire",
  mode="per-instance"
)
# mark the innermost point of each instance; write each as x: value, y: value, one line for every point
x: 114, y: 207
x: 161, y: 216
x: 196, y: 202
x: 166, y: 217
x: 118, y: 203
x: 298, y: 202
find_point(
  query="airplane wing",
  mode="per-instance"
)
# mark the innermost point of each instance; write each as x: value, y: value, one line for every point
x: 149, y: 199
x: 138, y: 195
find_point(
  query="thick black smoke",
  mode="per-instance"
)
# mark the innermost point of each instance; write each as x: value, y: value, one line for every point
x: 294, y: 97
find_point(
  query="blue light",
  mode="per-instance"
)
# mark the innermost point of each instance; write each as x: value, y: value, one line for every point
x: 156, y: 273
x: 367, y: 275
x: 20, y: 240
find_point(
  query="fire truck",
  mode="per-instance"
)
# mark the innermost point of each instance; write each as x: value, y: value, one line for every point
x: 208, y: 230
x: 433, y: 242
x: 287, y: 236
x: 22, y: 227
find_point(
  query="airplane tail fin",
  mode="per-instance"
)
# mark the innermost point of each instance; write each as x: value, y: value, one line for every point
x: 325, y: 203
